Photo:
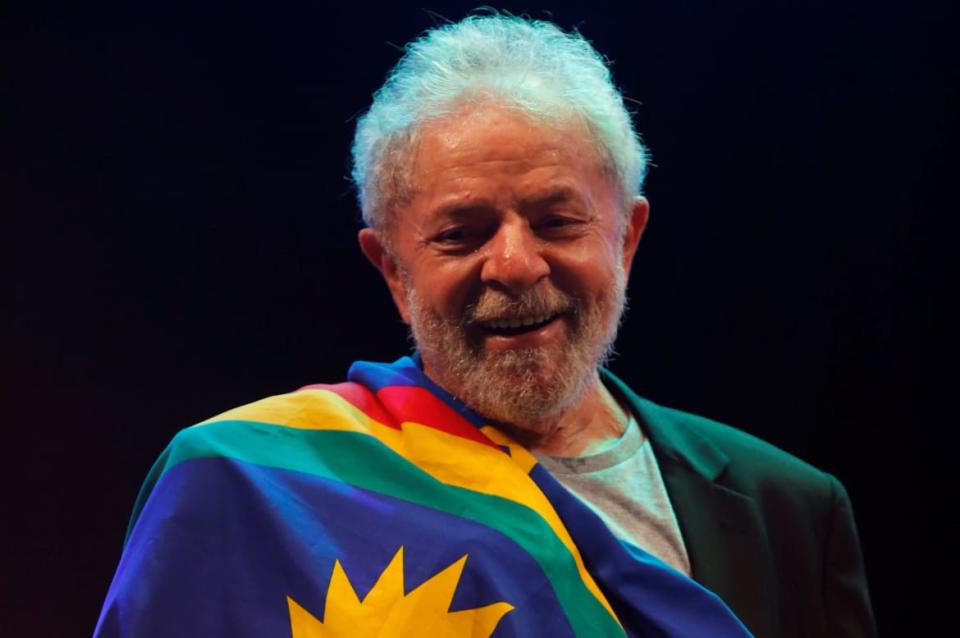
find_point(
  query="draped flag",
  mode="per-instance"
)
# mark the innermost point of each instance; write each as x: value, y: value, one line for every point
x: 379, y: 507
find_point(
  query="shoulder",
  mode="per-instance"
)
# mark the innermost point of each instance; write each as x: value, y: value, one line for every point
x: 800, y: 513
x: 269, y: 426
x: 799, y: 505
x: 749, y: 456
x: 730, y: 455
x: 282, y: 431
x: 751, y: 462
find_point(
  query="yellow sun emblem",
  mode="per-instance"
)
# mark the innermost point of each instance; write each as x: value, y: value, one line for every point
x: 386, y: 611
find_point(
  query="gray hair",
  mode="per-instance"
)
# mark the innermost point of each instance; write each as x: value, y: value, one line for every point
x: 530, y: 65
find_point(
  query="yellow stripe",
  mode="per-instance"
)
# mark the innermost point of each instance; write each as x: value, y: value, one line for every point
x: 448, y: 458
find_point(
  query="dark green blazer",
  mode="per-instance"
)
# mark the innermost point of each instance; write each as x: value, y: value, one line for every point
x: 771, y: 535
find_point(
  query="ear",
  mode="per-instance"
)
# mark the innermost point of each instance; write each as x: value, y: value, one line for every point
x: 636, y: 223
x: 378, y: 255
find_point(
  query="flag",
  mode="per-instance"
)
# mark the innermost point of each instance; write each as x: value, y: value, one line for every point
x: 379, y: 507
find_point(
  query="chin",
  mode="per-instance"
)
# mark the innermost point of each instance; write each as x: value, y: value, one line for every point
x: 528, y: 389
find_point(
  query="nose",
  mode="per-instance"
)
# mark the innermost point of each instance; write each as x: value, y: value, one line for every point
x: 514, y: 261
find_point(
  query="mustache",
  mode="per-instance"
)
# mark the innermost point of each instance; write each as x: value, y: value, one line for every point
x: 494, y: 305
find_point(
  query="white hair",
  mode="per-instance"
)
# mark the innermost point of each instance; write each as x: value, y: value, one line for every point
x: 529, y: 65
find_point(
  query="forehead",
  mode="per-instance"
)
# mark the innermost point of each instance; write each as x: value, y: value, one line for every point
x: 493, y: 147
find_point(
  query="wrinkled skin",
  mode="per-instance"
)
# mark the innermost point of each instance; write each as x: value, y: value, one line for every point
x: 509, y: 262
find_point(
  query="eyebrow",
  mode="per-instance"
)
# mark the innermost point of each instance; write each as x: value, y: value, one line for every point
x: 462, y: 209
x: 468, y: 209
x: 553, y: 196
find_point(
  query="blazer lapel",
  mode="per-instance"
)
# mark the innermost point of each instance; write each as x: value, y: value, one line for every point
x: 722, y: 528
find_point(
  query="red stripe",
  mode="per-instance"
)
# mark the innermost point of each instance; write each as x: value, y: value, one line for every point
x: 392, y: 405
x: 412, y: 403
x: 361, y: 398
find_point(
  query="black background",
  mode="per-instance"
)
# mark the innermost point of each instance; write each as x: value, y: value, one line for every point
x: 181, y: 235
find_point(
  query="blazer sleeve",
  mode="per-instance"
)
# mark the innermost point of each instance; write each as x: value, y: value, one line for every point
x: 846, y: 600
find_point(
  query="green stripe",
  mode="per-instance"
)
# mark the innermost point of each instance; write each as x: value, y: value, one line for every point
x: 348, y: 456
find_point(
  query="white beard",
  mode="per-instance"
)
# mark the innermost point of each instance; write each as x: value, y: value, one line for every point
x: 527, y: 388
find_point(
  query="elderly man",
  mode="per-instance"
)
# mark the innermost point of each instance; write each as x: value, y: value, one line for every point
x: 500, y: 482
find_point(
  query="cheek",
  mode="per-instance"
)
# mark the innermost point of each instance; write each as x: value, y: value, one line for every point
x: 587, y: 271
x: 449, y: 288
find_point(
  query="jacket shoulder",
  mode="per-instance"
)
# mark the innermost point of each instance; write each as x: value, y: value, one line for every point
x: 729, y: 454
x: 747, y: 453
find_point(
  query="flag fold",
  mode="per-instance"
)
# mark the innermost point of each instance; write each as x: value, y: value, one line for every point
x: 380, y: 507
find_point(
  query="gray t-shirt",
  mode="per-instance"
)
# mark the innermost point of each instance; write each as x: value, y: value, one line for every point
x: 623, y: 486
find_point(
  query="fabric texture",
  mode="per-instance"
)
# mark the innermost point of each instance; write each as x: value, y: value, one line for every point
x: 623, y: 486
x: 380, y: 507
x: 771, y: 535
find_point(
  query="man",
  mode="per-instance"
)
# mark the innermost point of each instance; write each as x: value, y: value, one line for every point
x: 499, y: 176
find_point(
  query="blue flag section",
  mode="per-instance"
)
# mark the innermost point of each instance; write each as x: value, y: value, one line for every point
x: 378, y: 507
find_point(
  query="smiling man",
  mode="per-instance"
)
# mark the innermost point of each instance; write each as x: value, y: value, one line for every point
x: 508, y: 260
x: 500, y: 482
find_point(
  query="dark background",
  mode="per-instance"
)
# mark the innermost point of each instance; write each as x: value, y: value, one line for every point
x: 181, y: 235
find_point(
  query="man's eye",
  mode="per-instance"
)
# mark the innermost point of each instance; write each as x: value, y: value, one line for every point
x: 452, y: 236
x: 558, y: 223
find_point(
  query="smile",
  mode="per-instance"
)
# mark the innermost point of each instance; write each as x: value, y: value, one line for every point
x: 518, y: 325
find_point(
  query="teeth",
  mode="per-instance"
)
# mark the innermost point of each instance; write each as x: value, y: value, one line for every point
x: 512, y: 324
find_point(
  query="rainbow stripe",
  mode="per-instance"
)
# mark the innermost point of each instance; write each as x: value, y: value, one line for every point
x: 257, y: 504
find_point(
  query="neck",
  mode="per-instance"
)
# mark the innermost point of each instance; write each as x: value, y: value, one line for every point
x: 594, y: 421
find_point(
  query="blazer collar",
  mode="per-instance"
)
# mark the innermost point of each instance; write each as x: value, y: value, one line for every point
x: 682, y: 445
x: 722, y: 528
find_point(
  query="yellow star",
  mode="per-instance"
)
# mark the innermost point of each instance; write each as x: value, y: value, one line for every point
x: 386, y: 611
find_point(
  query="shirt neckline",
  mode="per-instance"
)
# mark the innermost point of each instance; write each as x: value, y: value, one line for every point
x: 625, y: 447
